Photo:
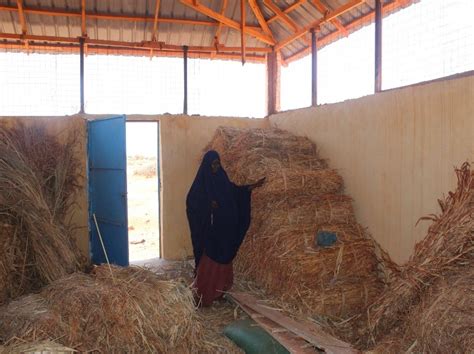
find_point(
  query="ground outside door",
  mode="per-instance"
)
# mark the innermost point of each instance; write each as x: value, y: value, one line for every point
x: 108, y: 190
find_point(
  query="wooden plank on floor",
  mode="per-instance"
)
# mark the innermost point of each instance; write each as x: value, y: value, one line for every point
x: 294, y: 344
x: 304, y: 329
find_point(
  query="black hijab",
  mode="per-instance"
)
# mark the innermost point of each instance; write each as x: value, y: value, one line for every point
x: 217, y: 232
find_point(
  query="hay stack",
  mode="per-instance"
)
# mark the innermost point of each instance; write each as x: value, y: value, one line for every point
x: 447, y: 248
x: 300, y: 197
x: 128, y: 310
x: 38, y: 185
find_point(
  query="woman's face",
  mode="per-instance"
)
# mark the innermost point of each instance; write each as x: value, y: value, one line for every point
x: 215, y: 165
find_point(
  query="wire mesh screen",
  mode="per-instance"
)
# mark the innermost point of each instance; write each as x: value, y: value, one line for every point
x: 38, y: 84
x: 346, y: 67
x: 226, y: 88
x: 428, y: 40
x: 133, y: 85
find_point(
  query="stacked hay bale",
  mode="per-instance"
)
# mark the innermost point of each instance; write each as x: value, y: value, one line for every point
x: 300, y: 198
x: 111, y: 310
x: 430, y: 305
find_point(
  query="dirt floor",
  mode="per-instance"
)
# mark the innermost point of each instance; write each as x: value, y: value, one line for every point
x: 143, y: 209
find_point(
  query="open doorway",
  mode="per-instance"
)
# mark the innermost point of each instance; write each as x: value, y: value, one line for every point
x: 143, y: 191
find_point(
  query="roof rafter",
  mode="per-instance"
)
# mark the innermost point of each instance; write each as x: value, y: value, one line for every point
x: 219, y: 26
x: 83, y: 18
x: 261, y: 20
x: 227, y: 21
x: 281, y: 15
x: 154, y: 37
x: 22, y: 19
x: 330, y: 16
x: 324, y: 10
x: 288, y: 10
x: 284, y: 17
x: 116, y: 17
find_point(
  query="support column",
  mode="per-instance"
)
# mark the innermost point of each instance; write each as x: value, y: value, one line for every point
x: 81, y: 73
x: 378, y: 46
x: 185, y: 102
x: 314, y: 69
x: 273, y: 82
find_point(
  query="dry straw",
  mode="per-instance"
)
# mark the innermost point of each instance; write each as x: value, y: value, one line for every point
x: 38, y: 184
x: 441, y: 322
x: 301, y: 197
x: 448, y: 247
x: 139, y: 313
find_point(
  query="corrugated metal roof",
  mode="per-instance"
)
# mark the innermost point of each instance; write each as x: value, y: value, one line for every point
x: 140, y: 28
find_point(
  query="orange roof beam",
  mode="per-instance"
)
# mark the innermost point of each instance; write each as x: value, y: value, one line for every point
x: 21, y: 17
x: 219, y: 26
x: 104, y: 50
x: 83, y: 18
x: 154, y: 36
x: 323, y: 9
x: 122, y: 44
x: 259, y: 15
x: 112, y: 17
x: 227, y: 21
x: 330, y: 16
x: 281, y: 15
x: 290, y: 8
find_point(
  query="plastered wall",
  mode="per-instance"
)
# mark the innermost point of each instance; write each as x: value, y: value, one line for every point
x: 62, y: 127
x: 396, y: 151
x: 183, y: 139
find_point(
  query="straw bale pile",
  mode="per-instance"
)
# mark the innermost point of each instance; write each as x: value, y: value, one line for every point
x: 38, y: 183
x: 447, y: 249
x: 301, y: 196
x: 111, y: 310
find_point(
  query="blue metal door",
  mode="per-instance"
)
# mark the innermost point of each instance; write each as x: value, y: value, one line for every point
x: 108, y: 190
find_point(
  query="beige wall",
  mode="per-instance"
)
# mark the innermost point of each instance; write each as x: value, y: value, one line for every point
x: 396, y: 151
x: 183, y: 139
x: 62, y: 127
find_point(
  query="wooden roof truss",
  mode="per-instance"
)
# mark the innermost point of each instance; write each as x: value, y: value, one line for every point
x: 219, y: 20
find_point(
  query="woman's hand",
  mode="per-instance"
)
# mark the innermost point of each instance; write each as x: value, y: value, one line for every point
x: 214, y: 205
x: 257, y: 184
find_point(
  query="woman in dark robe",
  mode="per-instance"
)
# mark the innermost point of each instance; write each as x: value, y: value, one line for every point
x: 219, y: 216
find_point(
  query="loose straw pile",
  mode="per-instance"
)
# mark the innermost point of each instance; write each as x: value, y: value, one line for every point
x: 39, y: 180
x: 138, y: 313
x: 433, y: 284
